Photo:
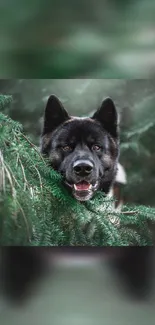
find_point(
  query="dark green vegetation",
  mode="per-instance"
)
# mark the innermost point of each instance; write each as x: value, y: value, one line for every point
x: 35, y: 208
x: 134, y: 100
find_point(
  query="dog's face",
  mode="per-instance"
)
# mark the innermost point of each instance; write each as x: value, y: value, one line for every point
x: 84, y: 150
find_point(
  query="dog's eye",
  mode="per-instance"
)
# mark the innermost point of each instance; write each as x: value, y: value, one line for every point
x: 95, y: 147
x: 66, y: 148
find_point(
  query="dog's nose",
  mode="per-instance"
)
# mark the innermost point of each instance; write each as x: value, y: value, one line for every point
x: 83, y: 167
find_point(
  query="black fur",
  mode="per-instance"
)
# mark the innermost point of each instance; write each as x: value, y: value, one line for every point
x: 67, y: 140
x: 82, y: 149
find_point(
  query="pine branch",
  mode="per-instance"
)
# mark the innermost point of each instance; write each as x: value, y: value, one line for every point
x: 36, y: 209
x: 5, y: 101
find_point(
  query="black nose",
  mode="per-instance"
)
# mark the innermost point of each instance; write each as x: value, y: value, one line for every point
x: 83, y: 167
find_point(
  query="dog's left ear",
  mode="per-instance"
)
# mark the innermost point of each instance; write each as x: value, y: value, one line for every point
x: 108, y: 117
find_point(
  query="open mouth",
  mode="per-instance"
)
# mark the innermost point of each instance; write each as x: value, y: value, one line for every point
x: 82, y: 186
x: 83, y: 190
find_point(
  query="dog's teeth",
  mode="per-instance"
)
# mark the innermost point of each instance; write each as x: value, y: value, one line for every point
x: 76, y: 188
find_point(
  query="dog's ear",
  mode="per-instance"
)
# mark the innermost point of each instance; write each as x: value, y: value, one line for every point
x: 55, y: 114
x: 107, y: 116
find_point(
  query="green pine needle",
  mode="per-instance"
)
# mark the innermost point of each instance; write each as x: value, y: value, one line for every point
x: 36, y: 209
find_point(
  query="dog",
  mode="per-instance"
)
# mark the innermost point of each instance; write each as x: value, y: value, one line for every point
x: 84, y: 150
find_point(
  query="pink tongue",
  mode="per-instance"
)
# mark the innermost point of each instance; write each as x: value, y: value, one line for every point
x: 83, y: 186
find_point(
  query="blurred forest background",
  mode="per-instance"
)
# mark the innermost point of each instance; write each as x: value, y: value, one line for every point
x: 77, y: 38
x: 135, y: 101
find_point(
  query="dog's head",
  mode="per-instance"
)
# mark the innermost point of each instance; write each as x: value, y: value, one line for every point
x: 84, y: 150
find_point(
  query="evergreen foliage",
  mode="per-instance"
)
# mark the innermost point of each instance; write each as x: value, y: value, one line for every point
x: 35, y: 208
x: 138, y: 152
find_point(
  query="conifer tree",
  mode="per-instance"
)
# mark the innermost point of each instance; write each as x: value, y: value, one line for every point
x: 35, y: 208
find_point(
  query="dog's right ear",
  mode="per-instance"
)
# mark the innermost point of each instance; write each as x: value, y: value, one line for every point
x: 107, y: 116
x: 55, y: 114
